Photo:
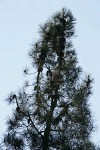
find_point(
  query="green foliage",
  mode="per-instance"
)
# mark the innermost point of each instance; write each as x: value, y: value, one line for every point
x: 53, y: 111
x: 13, y: 142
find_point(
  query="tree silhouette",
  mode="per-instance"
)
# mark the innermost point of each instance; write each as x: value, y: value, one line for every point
x: 52, y: 110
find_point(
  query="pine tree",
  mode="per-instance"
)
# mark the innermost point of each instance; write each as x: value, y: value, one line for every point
x: 52, y: 112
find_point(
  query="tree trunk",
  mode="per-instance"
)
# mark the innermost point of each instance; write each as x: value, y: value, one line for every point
x: 45, y: 140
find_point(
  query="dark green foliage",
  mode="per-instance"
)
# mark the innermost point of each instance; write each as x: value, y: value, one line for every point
x: 53, y: 111
x: 13, y: 142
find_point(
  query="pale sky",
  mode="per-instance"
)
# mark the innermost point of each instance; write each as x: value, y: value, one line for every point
x: 19, y: 24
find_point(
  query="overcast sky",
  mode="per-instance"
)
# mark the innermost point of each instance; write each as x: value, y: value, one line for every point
x: 19, y: 24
